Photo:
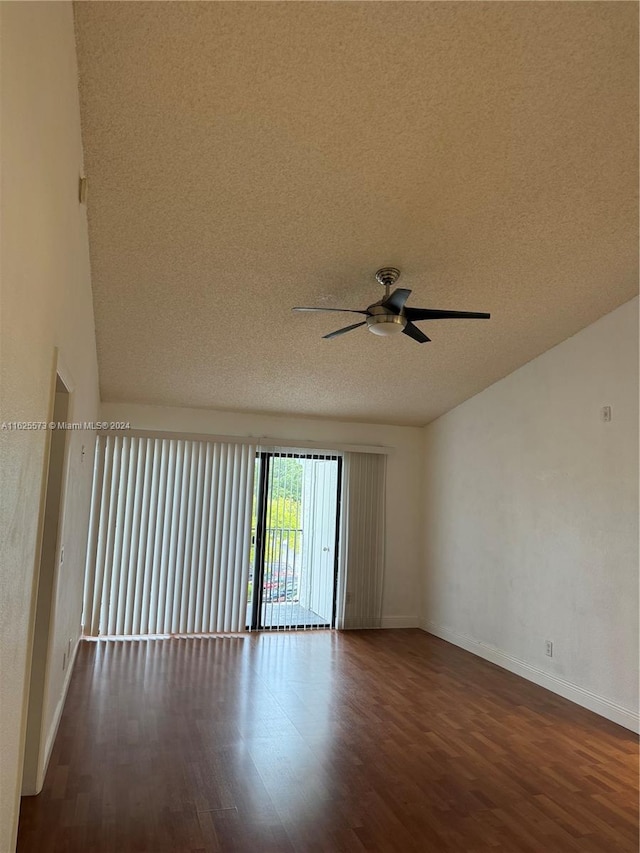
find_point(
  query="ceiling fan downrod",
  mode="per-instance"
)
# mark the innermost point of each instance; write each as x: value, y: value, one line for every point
x: 387, y: 277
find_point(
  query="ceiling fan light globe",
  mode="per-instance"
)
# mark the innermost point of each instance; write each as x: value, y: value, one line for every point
x: 386, y: 325
x: 385, y: 330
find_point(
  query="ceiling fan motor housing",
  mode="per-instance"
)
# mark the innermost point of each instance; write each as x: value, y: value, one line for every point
x: 384, y: 322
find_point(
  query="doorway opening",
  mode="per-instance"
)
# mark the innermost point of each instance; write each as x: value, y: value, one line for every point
x: 50, y: 555
x: 295, y: 529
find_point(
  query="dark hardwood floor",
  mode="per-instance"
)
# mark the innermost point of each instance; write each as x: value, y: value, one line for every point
x: 361, y: 741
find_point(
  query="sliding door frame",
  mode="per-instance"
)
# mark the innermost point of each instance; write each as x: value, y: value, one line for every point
x: 336, y: 555
x: 264, y: 458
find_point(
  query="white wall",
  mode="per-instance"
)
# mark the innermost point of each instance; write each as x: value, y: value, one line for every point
x: 531, y: 520
x: 45, y: 303
x: 400, y: 601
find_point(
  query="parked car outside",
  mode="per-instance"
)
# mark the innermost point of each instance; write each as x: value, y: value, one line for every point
x: 281, y: 583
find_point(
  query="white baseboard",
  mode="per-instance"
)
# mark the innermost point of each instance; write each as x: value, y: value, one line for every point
x: 585, y: 698
x: 400, y: 622
x: 53, y: 730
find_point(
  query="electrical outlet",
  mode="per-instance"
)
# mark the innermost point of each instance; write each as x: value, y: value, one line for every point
x: 606, y: 414
x: 548, y: 648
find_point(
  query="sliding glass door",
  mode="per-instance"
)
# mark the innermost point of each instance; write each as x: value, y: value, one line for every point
x: 295, y: 541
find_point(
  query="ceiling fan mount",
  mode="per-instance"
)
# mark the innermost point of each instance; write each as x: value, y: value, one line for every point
x: 387, y: 276
x: 390, y: 315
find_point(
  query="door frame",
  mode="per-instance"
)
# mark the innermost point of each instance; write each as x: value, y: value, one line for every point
x: 264, y: 458
x: 36, y: 742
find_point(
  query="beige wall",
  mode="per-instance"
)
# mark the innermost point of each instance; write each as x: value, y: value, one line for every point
x: 45, y: 303
x: 403, y: 515
x: 531, y: 520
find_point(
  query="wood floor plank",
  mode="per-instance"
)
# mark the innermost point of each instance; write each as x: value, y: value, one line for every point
x: 325, y: 742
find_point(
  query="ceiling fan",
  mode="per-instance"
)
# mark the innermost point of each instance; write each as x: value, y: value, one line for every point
x: 390, y: 315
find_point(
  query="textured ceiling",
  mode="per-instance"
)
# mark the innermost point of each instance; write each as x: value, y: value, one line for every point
x: 244, y: 158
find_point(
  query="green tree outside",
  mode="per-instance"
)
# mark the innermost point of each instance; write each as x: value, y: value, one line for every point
x: 284, y: 511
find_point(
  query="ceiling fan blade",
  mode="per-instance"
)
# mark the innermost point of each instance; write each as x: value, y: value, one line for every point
x: 397, y: 299
x: 343, y: 310
x: 434, y: 314
x: 415, y: 333
x: 343, y: 331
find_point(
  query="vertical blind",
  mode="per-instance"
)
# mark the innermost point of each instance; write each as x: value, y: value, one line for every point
x: 363, y: 523
x: 169, y: 536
